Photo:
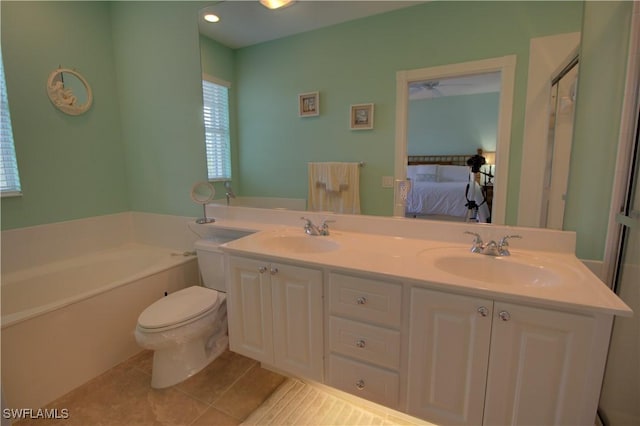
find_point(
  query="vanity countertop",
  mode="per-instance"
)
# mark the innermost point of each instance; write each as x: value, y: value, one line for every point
x: 557, y: 280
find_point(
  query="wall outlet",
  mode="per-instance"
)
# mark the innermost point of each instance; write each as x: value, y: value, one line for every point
x: 387, y: 181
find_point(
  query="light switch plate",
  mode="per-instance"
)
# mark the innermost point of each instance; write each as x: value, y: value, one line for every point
x: 387, y: 181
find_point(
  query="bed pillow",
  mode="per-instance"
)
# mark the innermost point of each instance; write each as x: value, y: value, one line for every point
x: 426, y: 177
x: 453, y: 173
x: 420, y: 171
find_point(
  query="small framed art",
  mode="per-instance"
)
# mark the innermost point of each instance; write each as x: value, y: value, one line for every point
x: 361, y: 117
x: 309, y: 104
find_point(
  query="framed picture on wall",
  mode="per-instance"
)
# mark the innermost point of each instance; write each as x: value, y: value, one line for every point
x: 361, y: 117
x: 309, y: 104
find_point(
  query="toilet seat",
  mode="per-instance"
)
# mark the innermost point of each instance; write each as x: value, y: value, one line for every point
x: 183, y: 306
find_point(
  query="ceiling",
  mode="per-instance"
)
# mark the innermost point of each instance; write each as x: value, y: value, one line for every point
x: 455, y: 86
x: 245, y: 23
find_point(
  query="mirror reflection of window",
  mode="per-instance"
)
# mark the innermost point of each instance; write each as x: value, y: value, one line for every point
x: 216, y: 126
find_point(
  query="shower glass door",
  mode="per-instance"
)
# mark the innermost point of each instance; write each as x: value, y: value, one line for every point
x: 620, y: 397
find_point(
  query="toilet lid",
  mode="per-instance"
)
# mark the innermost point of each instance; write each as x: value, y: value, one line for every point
x: 179, y: 307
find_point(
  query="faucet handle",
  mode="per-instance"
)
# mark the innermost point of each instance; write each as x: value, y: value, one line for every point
x: 477, y: 239
x: 503, y: 244
x: 503, y: 241
x: 306, y: 220
x: 324, y: 227
x: 477, y: 242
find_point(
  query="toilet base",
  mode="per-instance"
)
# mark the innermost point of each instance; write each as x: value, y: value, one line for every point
x: 175, y: 364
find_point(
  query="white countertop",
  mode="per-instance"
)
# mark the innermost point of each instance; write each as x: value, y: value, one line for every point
x: 414, y: 260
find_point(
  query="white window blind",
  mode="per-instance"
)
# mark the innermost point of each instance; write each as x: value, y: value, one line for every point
x: 9, y: 178
x: 216, y: 127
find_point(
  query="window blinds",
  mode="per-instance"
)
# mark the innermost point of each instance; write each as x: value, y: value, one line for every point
x: 216, y: 126
x: 9, y: 178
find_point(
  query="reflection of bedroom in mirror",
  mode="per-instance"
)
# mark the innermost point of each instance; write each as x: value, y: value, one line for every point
x: 451, y: 143
x: 454, y: 110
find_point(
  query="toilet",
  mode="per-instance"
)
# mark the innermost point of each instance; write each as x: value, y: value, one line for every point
x: 188, y: 328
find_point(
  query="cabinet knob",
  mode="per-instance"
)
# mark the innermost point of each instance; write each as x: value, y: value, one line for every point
x: 361, y: 300
x: 504, y: 315
x: 361, y: 343
x: 262, y: 269
x: 273, y: 271
x: 360, y: 384
x: 483, y: 311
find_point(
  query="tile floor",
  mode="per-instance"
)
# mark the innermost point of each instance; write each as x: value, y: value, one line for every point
x: 224, y: 393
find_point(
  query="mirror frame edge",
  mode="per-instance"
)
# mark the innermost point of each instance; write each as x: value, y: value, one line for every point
x: 506, y: 65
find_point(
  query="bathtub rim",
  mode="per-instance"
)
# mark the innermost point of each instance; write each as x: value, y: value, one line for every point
x: 176, y: 259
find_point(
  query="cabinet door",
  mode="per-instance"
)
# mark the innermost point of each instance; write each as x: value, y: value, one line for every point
x: 538, y: 367
x: 249, y: 309
x: 448, y: 352
x: 297, y: 320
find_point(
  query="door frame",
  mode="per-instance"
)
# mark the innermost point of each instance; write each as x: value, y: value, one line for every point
x: 506, y: 65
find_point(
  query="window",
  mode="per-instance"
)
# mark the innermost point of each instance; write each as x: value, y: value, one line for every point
x: 9, y: 178
x: 216, y: 127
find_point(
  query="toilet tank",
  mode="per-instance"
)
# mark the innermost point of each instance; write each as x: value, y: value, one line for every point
x: 211, y: 259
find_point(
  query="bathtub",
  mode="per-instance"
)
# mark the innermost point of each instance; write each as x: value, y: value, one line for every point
x: 34, y: 291
x: 66, y: 320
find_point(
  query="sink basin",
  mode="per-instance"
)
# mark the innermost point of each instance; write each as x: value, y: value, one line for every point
x: 498, y: 270
x: 299, y: 243
x: 515, y: 270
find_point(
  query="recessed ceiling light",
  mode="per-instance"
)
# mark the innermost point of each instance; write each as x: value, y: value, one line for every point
x: 210, y: 17
x: 276, y: 4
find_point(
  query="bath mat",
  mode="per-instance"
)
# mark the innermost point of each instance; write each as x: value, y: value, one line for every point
x: 297, y: 403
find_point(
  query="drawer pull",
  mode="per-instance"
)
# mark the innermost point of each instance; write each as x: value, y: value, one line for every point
x: 273, y: 271
x: 262, y: 269
x: 483, y: 311
x: 361, y: 300
x: 504, y: 315
x: 361, y: 343
x: 360, y: 384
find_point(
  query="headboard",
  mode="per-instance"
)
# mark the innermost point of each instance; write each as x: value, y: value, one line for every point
x: 454, y: 160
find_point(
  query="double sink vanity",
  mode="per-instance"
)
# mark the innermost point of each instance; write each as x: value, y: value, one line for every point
x: 425, y: 326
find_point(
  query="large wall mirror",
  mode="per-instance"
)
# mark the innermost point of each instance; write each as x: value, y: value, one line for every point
x: 273, y: 144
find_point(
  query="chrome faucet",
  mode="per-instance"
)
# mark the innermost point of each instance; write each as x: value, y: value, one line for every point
x: 311, y: 229
x: 501, y: 248
x: 229, y: 191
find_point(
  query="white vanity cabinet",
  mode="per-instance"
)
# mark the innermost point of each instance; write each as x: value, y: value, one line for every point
x: 275, y: 315
x: 364, y: 338
x: 448, y: 353
x: 477, y: 361
x: 545, y: 366
x: 527, y: 346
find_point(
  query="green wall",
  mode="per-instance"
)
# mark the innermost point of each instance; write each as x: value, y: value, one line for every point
x: 157, y: 58
x: 453, y: 124
x: 70, y: 167
x: 603, y: 62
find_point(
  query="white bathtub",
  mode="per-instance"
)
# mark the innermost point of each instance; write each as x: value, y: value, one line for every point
x: 34, y: 291
x: 67, y: 320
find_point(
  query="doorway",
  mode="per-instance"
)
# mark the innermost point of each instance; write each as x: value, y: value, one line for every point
x: 506, y: 67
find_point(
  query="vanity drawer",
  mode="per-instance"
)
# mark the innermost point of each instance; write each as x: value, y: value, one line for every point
x: 365, y: 299
x: 377, y: 345
x: 368, y: 382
